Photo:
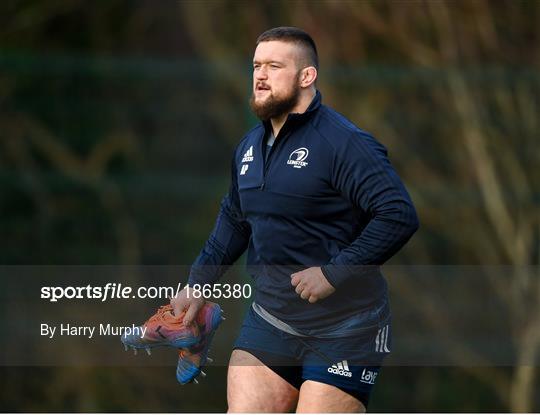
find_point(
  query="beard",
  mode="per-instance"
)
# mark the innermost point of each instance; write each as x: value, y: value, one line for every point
x: 272, y: 106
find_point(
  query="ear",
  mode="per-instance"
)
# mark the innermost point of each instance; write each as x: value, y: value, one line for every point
x: 308, y: 76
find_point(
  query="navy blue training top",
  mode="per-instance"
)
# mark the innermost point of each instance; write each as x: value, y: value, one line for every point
x: 326, y: 196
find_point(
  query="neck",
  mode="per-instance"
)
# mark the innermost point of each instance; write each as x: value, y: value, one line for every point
x: 303, y: 103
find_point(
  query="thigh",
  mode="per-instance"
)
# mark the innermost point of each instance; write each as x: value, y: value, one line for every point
x: 253, y: 387
x: 322, y: 398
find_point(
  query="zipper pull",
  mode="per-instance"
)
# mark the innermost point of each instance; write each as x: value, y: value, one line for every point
x: 262, y: 185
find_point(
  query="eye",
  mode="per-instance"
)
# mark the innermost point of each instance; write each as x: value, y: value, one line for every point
x: 274, y: 66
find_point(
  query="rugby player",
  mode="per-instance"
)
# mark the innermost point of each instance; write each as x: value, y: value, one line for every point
x: 318, y: 206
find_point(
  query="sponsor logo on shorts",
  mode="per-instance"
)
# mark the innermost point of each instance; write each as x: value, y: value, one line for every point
x: 341, y: 369
x: 368, y: 376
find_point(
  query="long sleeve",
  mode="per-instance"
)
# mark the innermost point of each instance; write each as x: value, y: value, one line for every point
x: 227, y: 242
x: 363, y: 174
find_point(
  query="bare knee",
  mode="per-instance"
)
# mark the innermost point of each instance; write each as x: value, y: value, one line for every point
x: 253, y: 387
x: 319, y: 397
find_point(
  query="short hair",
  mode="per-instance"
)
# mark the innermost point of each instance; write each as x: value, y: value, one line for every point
x: 293, y: 35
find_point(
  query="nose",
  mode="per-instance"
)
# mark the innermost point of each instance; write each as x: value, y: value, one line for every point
x: 261, y: 73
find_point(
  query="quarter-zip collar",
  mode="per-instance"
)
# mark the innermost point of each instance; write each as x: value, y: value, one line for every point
x: 294, y: 119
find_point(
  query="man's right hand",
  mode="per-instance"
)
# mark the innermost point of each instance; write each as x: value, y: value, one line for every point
x: 190, y: 300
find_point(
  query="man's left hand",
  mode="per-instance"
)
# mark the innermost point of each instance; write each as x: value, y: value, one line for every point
x: 311, y: 284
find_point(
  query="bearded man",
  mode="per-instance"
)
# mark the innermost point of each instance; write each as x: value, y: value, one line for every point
x: 318, y: 206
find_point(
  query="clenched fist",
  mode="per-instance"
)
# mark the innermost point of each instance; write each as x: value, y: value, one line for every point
x: 311, y: 284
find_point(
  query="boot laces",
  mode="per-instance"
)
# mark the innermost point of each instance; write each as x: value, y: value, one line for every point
x: 160, y: 315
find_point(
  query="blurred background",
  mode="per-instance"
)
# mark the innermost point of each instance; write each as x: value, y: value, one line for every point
x: 118, y: 120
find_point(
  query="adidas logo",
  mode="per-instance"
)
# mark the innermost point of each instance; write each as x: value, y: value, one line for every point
x: 341, y: 368
x: 248, y: 156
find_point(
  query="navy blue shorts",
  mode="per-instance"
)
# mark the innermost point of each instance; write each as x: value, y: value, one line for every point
x: 351, y: 363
